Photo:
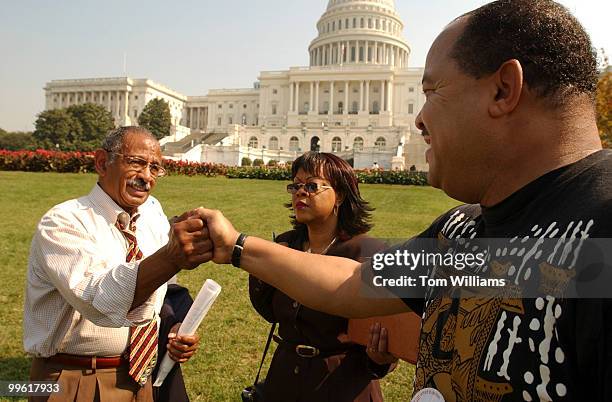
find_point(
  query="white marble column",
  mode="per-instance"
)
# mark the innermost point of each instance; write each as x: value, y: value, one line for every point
x: 291, y: 97
x: 297, y: 96
x: 367, y: 97
x: 382, y: 95
x: 366, y: 51
x: 331, y: 98
x: 346, y: 97
x: 340, y: 53
x: 348, y: 51
x: 118, y: 108
x: 317, y: 85
x: 311, y: 104
x: 191, y: 117
x: 375, y: 60
x: 390, y: 96
x: 126, y: 111
x: 360, y: 96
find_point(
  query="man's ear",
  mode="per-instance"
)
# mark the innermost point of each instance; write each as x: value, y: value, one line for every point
x: 508, y: 81
x: 101, y: 159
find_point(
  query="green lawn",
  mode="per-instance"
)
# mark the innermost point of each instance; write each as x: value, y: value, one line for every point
x: 233, y: 334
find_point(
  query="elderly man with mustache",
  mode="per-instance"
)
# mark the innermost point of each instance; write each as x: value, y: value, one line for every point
x: 97, y: 277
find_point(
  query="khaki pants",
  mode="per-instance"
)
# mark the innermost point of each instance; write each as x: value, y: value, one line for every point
x: 86, y: 385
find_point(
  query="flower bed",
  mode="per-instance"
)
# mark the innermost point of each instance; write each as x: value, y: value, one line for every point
x: 83, y: 162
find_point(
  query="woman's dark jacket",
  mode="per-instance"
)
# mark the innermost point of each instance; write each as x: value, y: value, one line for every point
x: 344, y: 373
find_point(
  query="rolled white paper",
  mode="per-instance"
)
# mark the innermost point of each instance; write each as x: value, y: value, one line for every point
x: 202, y: 303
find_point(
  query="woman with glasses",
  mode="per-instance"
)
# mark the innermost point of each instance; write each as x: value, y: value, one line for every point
x: 311, y: 362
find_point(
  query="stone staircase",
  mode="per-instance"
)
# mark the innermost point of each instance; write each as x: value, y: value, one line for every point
x: 192, y: 140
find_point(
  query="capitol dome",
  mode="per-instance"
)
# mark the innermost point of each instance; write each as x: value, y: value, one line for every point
x: 360, y: 32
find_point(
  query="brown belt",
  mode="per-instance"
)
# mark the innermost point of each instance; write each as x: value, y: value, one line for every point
x: 92, y: 362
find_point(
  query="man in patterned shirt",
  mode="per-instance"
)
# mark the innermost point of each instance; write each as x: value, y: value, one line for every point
x: 510, y: 121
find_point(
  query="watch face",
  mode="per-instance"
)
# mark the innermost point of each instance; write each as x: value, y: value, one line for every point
x: 428, y: 395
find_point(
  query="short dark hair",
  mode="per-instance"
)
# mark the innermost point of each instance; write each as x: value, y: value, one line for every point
x: 354, y: 214
x: 113, y: 142
x: 553, y: 48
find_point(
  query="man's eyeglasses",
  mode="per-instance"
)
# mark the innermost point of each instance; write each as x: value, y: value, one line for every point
x: 310, y: 188
x: 139, y: 164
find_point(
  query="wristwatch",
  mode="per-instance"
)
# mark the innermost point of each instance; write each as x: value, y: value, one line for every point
x: 237, y: 251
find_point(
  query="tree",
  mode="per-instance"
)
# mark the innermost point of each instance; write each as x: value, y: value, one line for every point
x: 156, y: 118
x: 16, y: 141
x: 95, y: 121
x: 57, y: 129
x: 603, y: 106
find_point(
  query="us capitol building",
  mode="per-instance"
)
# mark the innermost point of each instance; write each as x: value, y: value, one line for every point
x: 358, y: 98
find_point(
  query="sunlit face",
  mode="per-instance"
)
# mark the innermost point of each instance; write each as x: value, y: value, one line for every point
x: 127, y: 187
x: 452, y: 118
x: 313, y: 208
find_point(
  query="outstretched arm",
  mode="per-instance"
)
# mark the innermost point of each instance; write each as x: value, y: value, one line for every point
x: 324, y: 283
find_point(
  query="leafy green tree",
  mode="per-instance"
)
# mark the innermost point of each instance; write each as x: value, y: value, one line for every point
x: 95, y: 121
x: 603, y: 106
x: 156, y: 118
x: 17, y: 141
x: 57, y: 129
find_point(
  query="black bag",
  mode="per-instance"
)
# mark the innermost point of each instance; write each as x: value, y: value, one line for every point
x: 254, y: 393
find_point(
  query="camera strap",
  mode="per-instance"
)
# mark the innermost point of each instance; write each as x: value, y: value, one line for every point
x: 263, y: 358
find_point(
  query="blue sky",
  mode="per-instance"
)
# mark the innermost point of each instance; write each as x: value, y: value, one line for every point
x: 190, y: 46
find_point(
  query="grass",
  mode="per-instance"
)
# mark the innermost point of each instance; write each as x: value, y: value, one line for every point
x: 233, y: 335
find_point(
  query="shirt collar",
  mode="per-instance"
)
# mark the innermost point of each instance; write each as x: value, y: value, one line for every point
x: 105, y: 205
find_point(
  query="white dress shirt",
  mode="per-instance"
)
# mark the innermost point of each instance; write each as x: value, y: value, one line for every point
x: 79, y: 288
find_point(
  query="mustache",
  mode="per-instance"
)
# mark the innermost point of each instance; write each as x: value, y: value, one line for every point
x: 139, y: 184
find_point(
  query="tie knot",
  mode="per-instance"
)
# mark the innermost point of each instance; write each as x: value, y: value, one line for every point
x: 125, y: 222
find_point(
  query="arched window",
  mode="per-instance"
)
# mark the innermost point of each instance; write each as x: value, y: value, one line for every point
x: 355, y: 108
x: 362, y: 23
x: 336, y: 144
x: 380, y: 143
x: 294, y: 144
x: 244, y: 120
x: 273, y: 145
x: 253, y: 142
x: 340, y: 107
x: 358, y: 144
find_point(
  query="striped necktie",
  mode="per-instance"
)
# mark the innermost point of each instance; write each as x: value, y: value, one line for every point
x: 143, y: 339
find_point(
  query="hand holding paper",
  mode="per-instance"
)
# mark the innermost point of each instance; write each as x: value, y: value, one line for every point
x: 206, y: 297
x: 182, y: 347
